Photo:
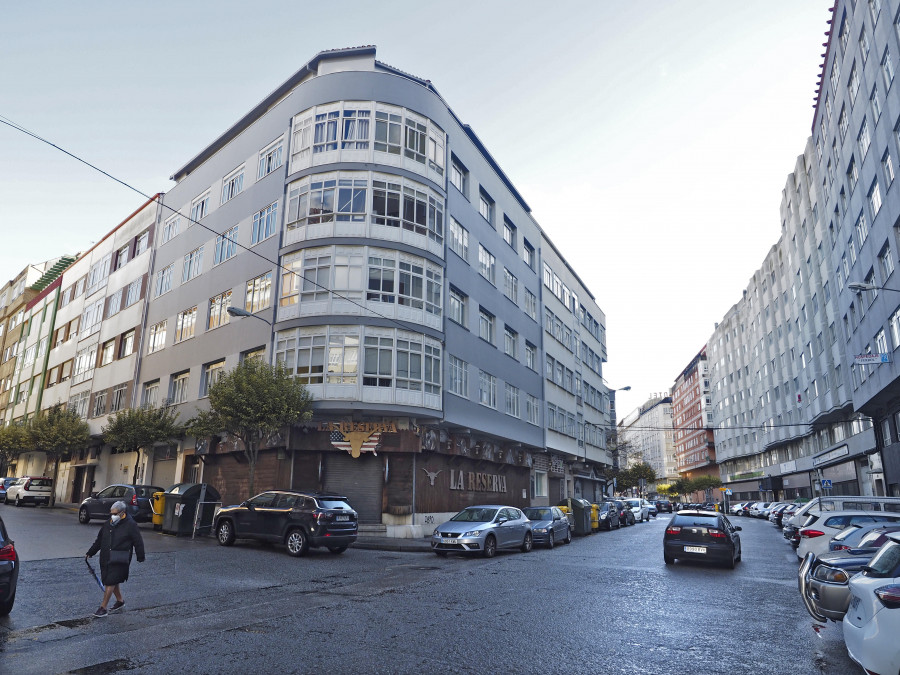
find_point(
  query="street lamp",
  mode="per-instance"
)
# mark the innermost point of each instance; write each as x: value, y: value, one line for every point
x: 859, y: 287
x: 237, y: 311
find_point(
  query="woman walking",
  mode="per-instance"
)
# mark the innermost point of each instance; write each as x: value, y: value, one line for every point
x: 114, y: 541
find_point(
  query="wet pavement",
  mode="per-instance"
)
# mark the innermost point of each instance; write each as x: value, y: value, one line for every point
x: 605, y: 603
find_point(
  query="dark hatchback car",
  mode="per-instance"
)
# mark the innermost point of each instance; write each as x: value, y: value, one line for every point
x: 663, y: 506
x: 701, y: 535
x: 626, y: 515
x: 299, y: 520
x: 137, y: 499
x: 9, y: 571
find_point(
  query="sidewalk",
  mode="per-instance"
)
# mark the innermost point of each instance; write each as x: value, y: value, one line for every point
x: 370, y: 543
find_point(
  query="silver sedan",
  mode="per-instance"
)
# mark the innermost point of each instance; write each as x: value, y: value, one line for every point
x: 484, y: 530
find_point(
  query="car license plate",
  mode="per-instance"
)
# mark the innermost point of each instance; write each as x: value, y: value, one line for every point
x: 695, y: 549
x: 341, y: 518
x: 449, y: 541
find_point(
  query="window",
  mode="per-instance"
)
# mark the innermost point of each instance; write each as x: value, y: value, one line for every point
x: 193, y: 265
x: 150, y: 397
x: 126, y: 347
x: 512, y: 400
x: 530, y: 355
x: 157, y: 337
x: 887, y: 167
x: 458, y: 307
x: 459, y: 176
x: 132, y: 293
x: 510, y: 286
x: 91, y: 318
x: 179, y: 387
x: 486, y: 206
x: 143, y: 242
x: 852, y: 173
x: 459, y: 239
x: 874, y: 199
x: 378, y: 358
x: 887, y: 68
x: 435, y: 150
x: 409, y: 365
x: 459, y: 377
x: 326, y: 131
x: 874, y: 9
x: 509, y: 232
x: 355, y: 132
x: 510, y: 342
x: 343, y: 359
x: 269, y: 159
x: 875, y: 102
x: 486, y: 325
x: 487, y: 389
x: 864, y: 44
x: 79, y: 403
x: 199, y: 207
x: 107, y: 352
x: 381, y: 279
x: 881, y: 342
x: 226, y: 245
x: 485, y: 263
x: 184, y: 324
x: 119, y: 398
x: 170, y: 229
x: 387, y: 132
x: 531, y: 304
x: 264, y: 223
x: 528, y: 254
x: 212, y: 373
x: 862, y: 230
x: 259, y: 293
x: 863, y: 139
x: 843, y: 123
x: 232, y: 184
x: 894, y: 324
x: 416, y: 134
x: 853, y: 83
x: 164, y: 280
x: 218, y: 310
x: 122, y: 256
x: 99, y: 404
x: 886, y: 262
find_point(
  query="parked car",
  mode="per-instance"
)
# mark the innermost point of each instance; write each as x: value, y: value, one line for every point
x: 626, y: 515
x: 137, y: 500
x: 736, y: 508
x: 29, y: 490
x: 5, y: 483
x: 821, y: 526
x: 783, y: 516
x: 841, y: 503
x: 549, y: 525
x: 775, y: 514
x: 663, y: 506
x: 608, y: 515
x: 764, y: 513
x: 299, y: 520
x: 872, y: 622
x: 9, y: 571
x: 853, y: 535
x: 701, y: 535
x: 485, y: 530
x: 639, y: 509
x: 651, y: 508
x: 824, y: 582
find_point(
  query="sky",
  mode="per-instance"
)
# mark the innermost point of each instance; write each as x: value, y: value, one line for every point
x: 651, y: 139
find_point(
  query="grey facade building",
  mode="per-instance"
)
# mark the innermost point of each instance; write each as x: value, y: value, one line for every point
x: 406, y: 284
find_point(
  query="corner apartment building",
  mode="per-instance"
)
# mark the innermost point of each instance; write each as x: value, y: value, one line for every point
x: 647, y: 435
x: 695, y: 448
x: 401, y: 271
x: 857, y: 150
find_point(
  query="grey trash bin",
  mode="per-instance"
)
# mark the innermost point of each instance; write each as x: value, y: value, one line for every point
x: 182, y: 502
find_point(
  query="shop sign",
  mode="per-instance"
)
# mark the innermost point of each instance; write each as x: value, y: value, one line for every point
x: 870, y: 359
x: 831, y: 455
x: 471, y: 481
x: 357, y: 437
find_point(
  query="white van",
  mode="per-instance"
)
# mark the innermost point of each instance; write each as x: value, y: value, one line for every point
x: 844, y: 503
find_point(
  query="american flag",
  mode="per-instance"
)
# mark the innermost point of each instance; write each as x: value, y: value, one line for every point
x: 342, y: 442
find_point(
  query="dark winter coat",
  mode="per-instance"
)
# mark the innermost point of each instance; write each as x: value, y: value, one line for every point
x: 123, y: 536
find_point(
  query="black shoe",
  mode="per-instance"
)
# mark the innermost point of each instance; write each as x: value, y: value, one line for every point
x: 119, y: 604
x: 101, y: 612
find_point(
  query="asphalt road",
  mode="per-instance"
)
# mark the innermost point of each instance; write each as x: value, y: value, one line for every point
x: 603, y: 604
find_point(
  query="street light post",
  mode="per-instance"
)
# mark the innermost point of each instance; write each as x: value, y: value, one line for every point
x: 237, y: 311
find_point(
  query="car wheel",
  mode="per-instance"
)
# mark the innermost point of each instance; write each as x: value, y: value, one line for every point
x: 83, y: 516
x: 18, y: 501
x: 6, y: 607
x: 568, y: 538
x: 669, y: 559
x: 550, y: 542
x: 490, y: 547
x: 730, y: 563
x: 527, y: 543
x: 337, y: 550
x: 297, y: 543
x: 225, y: 533
x: 740, y: 553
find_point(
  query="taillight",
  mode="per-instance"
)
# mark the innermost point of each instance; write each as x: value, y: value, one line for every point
x: 889, y: 595
x: 8, y: 552
x: 673, y: 529
x: 718, y: 534
x: 27, y: 485
x: 134, y: 499
x: 840, y: 547
x: 810, y: 533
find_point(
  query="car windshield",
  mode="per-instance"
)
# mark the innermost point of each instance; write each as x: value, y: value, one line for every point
x: 846, y: 532
x: 886, y: 560
x: 634, y: 503
x: 697, y: 520
x: 41, y: 482
x: 475, y: 515
x: 334, y: 504
x: 538, y: 514
x: 146, y: 490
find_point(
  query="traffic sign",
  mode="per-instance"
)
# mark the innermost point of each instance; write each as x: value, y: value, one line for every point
x: 826, y: 483
x: 728, y: 491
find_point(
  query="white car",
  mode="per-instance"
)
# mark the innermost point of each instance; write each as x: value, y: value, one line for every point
x: 639, y: 508
x: 736, y: 507
x: 29, y: 490
x: 757, y: 509
x: 872, y: 622
x: 821, y: 526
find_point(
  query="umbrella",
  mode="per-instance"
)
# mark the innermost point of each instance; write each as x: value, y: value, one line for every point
x: 94, y: 574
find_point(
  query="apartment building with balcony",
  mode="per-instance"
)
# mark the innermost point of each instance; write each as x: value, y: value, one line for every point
x: 695, y: 448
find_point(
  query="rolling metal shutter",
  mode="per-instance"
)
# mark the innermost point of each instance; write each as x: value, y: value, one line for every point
x: 164, y: 473
x: 359, y: 480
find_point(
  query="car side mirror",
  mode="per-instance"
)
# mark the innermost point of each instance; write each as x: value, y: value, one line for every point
x: 737, y: 528
x: 501, y: 520
x: 247, y: 505
x: 94, y: 495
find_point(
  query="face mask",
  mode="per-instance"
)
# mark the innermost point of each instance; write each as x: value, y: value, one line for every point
x: 115, y: 519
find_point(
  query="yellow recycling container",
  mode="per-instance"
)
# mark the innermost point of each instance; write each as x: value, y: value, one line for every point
x: 595, y: 517
x: 158, y: 505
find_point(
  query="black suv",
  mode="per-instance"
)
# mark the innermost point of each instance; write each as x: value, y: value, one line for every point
x: 136, y: 497
x: 298, y: 520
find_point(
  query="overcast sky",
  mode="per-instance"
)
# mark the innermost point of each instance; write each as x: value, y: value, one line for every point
x: 651, y: 139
